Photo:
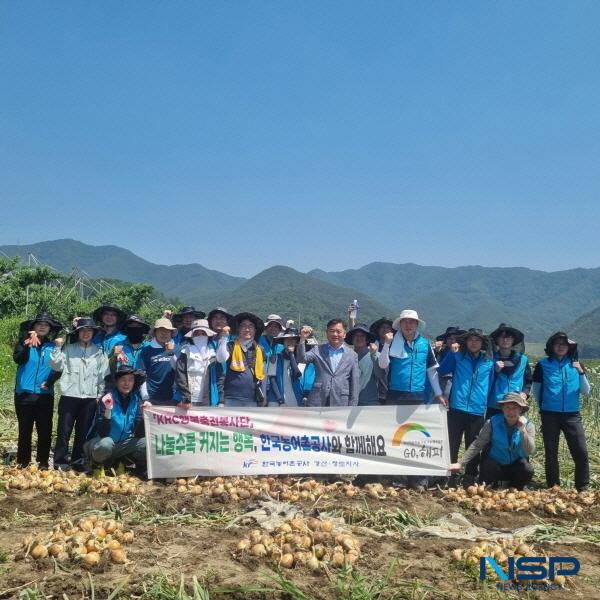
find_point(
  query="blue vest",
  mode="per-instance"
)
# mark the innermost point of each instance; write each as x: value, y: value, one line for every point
x: 410, y: 374
x: 296, y: 383
x: 132, y: 353
x: 503, y: 450
x: 471, y: 383
x: 503, y: 383
x: 109, y: 341
x: 35, y: 371
x: 122, y: 422
x: 308, y: 378
x: 560, y: 386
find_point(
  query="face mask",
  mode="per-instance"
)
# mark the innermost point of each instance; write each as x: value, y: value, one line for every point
x: 135, y: 335
x: 200, y: 341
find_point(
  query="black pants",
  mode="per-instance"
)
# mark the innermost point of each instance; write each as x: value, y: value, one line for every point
x: 572, y: 427
x: 72, y: 413
x: 519, y: 473
x: 459, y: 423
x: 34, y: 409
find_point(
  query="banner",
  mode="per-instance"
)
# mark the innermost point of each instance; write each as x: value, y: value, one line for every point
x: 384, y: 440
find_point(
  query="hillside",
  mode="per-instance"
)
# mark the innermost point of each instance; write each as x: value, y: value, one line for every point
x: 586, y: 331
x: 185, y: 282
x: 536, y: 301
x: 297, y: 296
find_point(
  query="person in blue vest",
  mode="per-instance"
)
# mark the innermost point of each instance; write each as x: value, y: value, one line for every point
x: 309, y: 373
x: 513, y: 373
x: 364, y: 344
x: 117, y: 431
x: 109, y: 317
x: 196, y: 374
x: 558, y: 381
x: 158, y: 361
x: 286, y: 373
x: 506, y: 441
x: 183, y: 321
x: 444, y: 344
x: 410, y: 363
x: 34, y: 386
x: 472, y: 371
x: 135, y: 329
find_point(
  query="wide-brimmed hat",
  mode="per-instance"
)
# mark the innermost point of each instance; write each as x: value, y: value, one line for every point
x: 453, y: 330
x: 517, y: 336
x: 374, y: 327
x: 223, y: 311
x: 97, y: 314
x: 162, y: 323
x: 557, y: 336
x: 140, y: 376
x: 135, y: 320
x: 517, y: 399
x: 371, y: 337
x: 258, y: 323
x: 289, y: 333
x: 82, y: 323
x: 200, y: 325
x: 187, y: 310
x: 474, y: 332
x: 44, y: 316
x: 407, y: 313
x: 274, y: 319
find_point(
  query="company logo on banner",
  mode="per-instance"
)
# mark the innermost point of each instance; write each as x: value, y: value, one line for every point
x: 387, y: 440
x: 406, y: 428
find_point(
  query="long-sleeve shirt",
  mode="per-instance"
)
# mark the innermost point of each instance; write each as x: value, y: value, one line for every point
x: 484, y: 439
x: 83, y: 370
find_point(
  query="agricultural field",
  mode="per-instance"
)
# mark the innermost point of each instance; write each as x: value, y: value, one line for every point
x: 68, y: 536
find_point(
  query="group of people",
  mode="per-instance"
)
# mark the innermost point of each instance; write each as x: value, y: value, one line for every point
x: 113, y: 365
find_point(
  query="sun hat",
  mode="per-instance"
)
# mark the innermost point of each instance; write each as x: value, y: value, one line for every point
x: 200, y: 325
x: 97, y: 314
x: 517, y: 336
x: 187, y: 310
x: 162, y: 323
x: 360, y: 327
x: 407, y: 313
x: 517, y: 399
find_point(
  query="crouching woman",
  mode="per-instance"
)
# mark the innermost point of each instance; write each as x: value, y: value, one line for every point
x: 507, y: 441
x: 117, y: 433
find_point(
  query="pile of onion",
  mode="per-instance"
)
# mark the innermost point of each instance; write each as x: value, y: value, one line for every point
x: 89, y: 541
x: 300, y: 542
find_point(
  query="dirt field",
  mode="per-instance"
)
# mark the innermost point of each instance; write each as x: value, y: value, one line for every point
x: 180, y: 533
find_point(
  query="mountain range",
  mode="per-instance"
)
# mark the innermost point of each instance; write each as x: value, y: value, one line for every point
x: 538, y: 302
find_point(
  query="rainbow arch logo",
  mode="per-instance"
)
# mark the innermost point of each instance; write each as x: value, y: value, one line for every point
x: 406, y: 428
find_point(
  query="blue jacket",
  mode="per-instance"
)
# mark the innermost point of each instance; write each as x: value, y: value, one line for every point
x: 34, y: 368
x: 472, y: 380
x: 109, y: 340
x: 410, y: 374
x: 505, y: 382
x: 132, y: 353
x: 308, y: 378
x: 503, y: 450
x: 124, y: 423
x: 560, y: 387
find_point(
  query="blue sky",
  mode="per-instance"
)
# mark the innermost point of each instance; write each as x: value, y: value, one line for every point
x: 313, y: 134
